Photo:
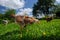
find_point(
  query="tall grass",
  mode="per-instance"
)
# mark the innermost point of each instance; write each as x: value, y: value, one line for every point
x: 37, y: 31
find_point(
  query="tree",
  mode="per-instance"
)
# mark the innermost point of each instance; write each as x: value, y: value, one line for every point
x: 8, y: 13
x: 57, y: 11
x: 43, y: 6
x: 1, y: 17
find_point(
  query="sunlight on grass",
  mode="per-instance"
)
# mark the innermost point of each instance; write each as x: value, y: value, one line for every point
x: 32, y: 30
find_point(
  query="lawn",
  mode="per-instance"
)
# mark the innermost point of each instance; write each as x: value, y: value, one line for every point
x: 42, y: 31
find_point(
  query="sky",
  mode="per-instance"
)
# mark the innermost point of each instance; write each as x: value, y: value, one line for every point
x: 29, y: 3
x: 58, y: 1
x: 21, y: 6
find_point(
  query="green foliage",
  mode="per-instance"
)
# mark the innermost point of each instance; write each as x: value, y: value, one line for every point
x: 41, y: 31
x: 8, y: 13
x: 43, y: 6
x: 57, y: 11
x: 7, y: 16
x: 1, y: 17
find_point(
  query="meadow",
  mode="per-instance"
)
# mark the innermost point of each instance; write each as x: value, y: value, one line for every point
x: 37, y: 31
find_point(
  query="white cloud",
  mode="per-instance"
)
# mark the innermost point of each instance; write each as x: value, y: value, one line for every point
x: 25, y: 11
x: 58, y: 1
x: 14, y: 4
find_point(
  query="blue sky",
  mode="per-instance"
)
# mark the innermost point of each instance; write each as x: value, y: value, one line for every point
x: 28, y: 4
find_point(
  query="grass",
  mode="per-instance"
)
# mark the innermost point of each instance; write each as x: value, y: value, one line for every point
x: 42, y: 31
